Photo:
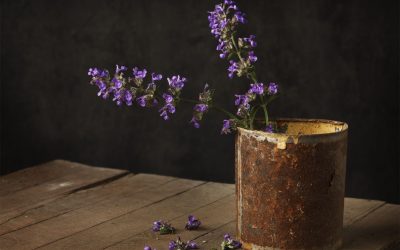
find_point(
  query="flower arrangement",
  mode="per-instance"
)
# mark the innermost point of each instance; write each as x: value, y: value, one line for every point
x: 144, y: 90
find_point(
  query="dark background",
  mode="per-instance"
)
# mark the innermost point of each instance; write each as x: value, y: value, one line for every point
x: 333, y: 59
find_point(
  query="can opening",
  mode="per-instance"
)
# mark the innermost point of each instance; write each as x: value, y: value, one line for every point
x: 309, y: 127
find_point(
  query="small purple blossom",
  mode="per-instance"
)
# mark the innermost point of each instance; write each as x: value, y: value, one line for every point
x: 257, y: 88
x: 139, y: 74
x: 148, y: 248
x: 117, y: 82
x: 201, y: 107
x: 176, y: 82
x: 156, y: 77
x: 227, y: 126
x: 163, y: 227
x: 251, y: 41
x: 242, y: 100
x: 272, y: 88
x: 168, y: 98
x: 230, y: 243
x: 141, y: 101
x: 269, y: 128
x: 252, y: 58
x: 240, y: 17
x: 178, y: 244
x: 233, y: 68
x: 192, y: 223
x: 172, y: 245
x: 95, y: 72
x: 168, y: 108
x: 195, y: 122
x: 120, y: 68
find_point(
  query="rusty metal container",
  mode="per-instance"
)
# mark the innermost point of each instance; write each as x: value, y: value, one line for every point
x: 290, y: 187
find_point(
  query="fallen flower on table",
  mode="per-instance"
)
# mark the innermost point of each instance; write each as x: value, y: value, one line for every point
x: 192, y: 223
x: 230, y: 243
x: 180, y: 245
x: 163, y: 227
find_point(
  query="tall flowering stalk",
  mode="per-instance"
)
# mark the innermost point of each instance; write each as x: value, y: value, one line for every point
x: 143, y: 89
x: 223, y: 22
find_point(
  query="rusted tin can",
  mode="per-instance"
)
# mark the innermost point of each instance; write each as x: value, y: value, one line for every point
x: 290, y: 187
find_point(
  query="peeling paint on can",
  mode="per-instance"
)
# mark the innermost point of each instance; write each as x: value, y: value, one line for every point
x: 290, y: 187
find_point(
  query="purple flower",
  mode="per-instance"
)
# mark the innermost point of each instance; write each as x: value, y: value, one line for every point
x: 242, y: 100
x: 93, y: 72
x: 117, y: 83
x: 272, y: 88
x: 148, y: 248
x: 139, y: 74
x: 163, y: 227
x: 195, y: 122
x: 172, y: 245
x: 252, y: 58
x: 180, y: 245
x: 227, y: 126
x: 169, y: 106
x: 168, y: 98
x: 251, y: 41
x: 128, y: 98
x: 269, y: 128
x: 142, y: 101
x: 240, y: 17
x: 230, y: 243
x: 201, y: 107
x: 119, y: 69
x: 176, y: 82
x: 192, y: 223
x: 156, y: 77
x: 233, y: 68
x: 191, y: 245
x: 257, y: 88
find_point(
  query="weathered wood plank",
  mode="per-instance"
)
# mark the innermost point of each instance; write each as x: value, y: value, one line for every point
x: 123, y: 227
x: 86, y: 217
x: 213, y: 216
x: 126, y: 186
x: 35, y: 175
x: 378, y: 230
x: 353, y: 209
x: 18, y: 202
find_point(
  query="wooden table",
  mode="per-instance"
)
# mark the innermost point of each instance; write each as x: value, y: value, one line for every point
x: 65, y: 205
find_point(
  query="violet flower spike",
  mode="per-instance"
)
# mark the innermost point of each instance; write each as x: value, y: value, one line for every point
x: 192, y: 223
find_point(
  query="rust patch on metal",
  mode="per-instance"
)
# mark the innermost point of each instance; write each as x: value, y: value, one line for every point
x: 290, y: 187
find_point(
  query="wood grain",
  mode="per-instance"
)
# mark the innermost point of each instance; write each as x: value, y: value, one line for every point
x: 78, y: 177
x: 64, y: 205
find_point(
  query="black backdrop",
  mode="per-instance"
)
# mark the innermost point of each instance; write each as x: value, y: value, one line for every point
x: 333, y: 59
